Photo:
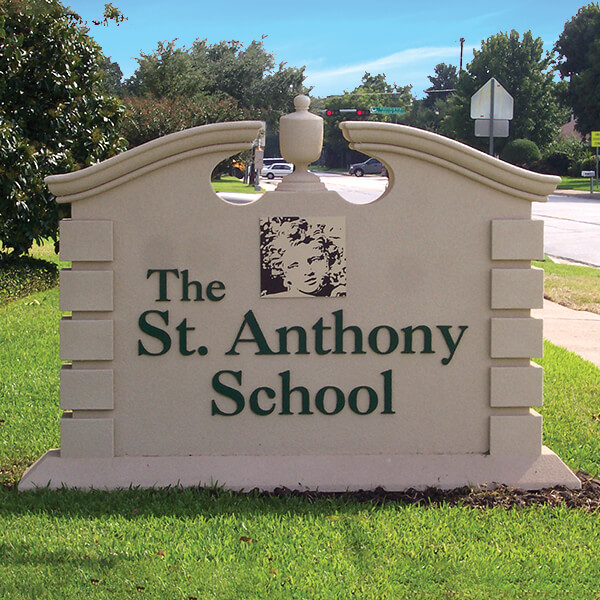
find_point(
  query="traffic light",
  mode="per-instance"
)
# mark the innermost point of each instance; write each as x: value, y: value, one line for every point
x: 359, y: 112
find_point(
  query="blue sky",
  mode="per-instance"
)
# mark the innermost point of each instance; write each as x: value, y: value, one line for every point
x: 336, y: 41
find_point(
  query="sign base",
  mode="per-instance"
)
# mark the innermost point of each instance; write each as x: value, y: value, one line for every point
x: 332, y: 473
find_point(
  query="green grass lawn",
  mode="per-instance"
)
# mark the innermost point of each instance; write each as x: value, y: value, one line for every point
x: 574, y: 286
x: 228, y: 183
x: 576, y: 183
x: 202, y: 544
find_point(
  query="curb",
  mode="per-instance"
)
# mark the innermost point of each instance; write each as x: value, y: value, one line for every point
x: 577, y: 194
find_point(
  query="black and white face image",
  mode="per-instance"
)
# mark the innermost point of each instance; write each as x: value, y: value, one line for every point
x: 303, y: 257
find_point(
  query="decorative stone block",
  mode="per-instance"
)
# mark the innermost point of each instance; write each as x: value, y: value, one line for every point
x: 517, y: 240
x: 86, y: 389
x: 86, y: 340
x: 518, y: 435
x: 516, y: 338
x: 82, y: 240
x: 517, y: 288
x: 516, y: 386
x: 86, y: 290
x: 90, y: 438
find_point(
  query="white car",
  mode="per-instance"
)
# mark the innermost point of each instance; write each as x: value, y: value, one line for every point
x: 277, y: 170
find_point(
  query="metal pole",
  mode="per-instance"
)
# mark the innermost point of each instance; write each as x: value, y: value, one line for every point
x: 596, y: 166
x: 492, y: 117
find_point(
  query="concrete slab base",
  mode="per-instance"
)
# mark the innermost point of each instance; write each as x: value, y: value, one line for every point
x: 323, y: 473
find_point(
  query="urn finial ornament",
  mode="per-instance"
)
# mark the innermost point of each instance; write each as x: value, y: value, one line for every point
x: 301, y: 142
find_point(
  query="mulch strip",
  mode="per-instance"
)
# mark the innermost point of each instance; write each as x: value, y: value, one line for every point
x: 586, y: 499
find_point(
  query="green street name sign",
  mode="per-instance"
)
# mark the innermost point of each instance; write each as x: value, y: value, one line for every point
x: 387, y: 110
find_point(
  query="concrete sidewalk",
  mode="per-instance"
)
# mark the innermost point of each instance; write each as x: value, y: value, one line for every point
x: 575, y: 330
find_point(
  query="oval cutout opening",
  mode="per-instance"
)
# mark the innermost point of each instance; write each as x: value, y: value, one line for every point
x: 362, y: 182
x: 356, y: 187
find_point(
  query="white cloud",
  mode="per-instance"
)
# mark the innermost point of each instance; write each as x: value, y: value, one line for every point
x: 398, y: 59
x: 409, y: 66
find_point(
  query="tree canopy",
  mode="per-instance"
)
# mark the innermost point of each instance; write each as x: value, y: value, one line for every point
x: 374, y: 90
x: 525, y: 71
x: 54, y: 114
x: 578, y: 49
x: 429, y: 112
x: 444, y: 78
x: 226, y: 71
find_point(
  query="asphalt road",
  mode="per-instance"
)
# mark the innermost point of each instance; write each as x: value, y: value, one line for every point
x: 571, y: 228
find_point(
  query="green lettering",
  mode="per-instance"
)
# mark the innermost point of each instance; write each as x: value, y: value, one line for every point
x: 186, y: 284
x: 353, y: 400
x: 408, y: 340
x: 228, y: 392
x: 183, y: 329
x: 155, y: 332
x: 215, y: 285
x: 450, y: 343
x: 319, y: 328
x: 339, y: 400
x: 255, y: 406
x: 286, y: 393
x: 393, y: 339
x: 257, y: 336
x: 387, y: 393
x: 162, y: 282
x: 283, y: 331
x: 340, y: 330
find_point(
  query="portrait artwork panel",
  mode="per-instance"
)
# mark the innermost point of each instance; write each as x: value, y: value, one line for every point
x: 303, y: 257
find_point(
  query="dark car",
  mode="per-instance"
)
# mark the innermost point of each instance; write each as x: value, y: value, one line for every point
x: 370, y: 167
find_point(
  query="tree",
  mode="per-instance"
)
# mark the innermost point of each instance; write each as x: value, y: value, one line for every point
x: 148, y: 118
x: 429, y: 112
x: 578, y: 49
x: 444, y: 78
x: 111, y: 13
x: 112, y: 76
x: 54, y: 116
x: 225, y: 71
x: 166, y: 72
x: 523, y: 69
x: 374, y: 90
x: 427, y: 117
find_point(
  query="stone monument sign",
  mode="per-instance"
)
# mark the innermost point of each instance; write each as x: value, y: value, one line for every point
x: 300, y: 340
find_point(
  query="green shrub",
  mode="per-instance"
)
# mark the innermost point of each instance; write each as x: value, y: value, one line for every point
x: 586, y: 164
x: 523, y: 153
x: 564, y: 157
x: 556, y: 163
x: 25, y: 275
